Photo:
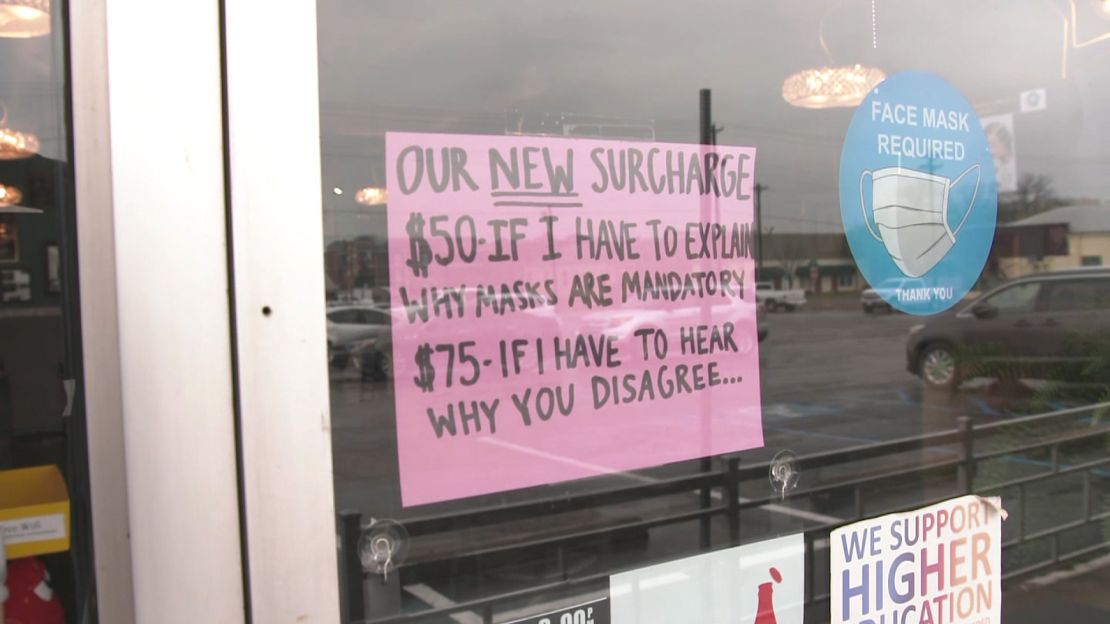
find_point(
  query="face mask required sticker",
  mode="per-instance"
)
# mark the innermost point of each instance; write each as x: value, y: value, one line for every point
x: 918, y: 195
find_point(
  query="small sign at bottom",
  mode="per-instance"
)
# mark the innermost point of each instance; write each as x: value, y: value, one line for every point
x: 33, y: 529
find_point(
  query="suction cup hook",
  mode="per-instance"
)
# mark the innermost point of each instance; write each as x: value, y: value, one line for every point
x: 382, y: 547
x: 784, y: 473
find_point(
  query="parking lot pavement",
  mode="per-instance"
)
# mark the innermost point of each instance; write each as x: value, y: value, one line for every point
x: 831, y: 301
x: 837, y: 378
x: 807, y: 355
x: 830, y: 379
x: 1077, y: 595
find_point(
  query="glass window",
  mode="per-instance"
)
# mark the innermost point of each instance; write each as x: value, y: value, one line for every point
x: 1078, y: 295
x: 1016, y: 299
x: 45, y: 532
x: 373, y: 317
x: 575, y: 196
x: 1069, y: 295
x: 344, y: 316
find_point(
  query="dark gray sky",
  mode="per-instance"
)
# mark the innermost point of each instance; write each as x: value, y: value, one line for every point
x: 444, y: 66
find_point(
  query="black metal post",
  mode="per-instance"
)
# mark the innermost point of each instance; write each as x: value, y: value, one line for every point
x: 383, y: 594
x: 759, y: 188
x: 732, y: 490
x: 351, y: 604
x: 966, y: 475
x: 705, y: 117
x: 705, y: 137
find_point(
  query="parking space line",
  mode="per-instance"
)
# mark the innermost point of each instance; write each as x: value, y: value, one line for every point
x: 812, y: 516
x: 878, y: 401
x: 439, y: 601
x: 1078, y: 569
x: 986, y: 408
x: 853, y: 439
x: 572, y: 462
x: 818, y: 434
x: 568, y: 603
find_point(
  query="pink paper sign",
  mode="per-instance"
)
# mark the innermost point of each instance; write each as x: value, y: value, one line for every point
x: 567, y: 308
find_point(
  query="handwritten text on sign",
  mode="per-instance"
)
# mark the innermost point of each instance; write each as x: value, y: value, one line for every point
x: 567, y: 308
x: 937, y: 565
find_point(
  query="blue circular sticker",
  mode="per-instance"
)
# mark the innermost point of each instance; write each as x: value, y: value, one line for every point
x: 918, y: 194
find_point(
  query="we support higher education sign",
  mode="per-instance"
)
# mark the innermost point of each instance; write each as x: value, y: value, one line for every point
x: 937, y: 565
x: 567, y: 308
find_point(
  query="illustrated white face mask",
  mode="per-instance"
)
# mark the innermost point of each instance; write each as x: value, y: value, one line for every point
x: 910, y: 209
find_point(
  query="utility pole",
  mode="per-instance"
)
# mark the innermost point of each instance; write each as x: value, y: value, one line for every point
x: 705, y: 119
x: 707, y: 137
x: 759, y: 188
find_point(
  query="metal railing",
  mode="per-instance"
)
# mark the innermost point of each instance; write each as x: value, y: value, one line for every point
x: 963, y: 451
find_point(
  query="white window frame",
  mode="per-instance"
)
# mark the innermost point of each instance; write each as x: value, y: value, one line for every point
x: 156, y: 333
x: 277, y: 229
x: 153, y: 156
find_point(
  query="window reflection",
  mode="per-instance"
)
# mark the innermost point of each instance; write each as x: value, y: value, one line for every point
x: 1018, y: 368
x: 42, y: 427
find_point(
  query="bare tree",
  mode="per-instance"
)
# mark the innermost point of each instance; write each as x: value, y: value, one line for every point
x: 1034, y: 195
x: 791, y: 251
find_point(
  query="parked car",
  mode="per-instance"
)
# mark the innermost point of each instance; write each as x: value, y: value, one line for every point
x: 873, y: 301
x: 373, y: 357
x: 351, y: 324
x: 761, y: 327
x: 878, y: 296
x: 1028, y: 327
x: 377, y: 296
x: 774, y: 299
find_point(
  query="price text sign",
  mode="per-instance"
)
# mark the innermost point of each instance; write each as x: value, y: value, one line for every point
x: 567, y: 308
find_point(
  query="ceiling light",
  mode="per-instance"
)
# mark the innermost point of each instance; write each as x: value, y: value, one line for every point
x: 829, y: 87
x: 371, y: 196
x: 24, y: 18
x: 15, y: 145
x: 337, y: 190
x: 9, y: 196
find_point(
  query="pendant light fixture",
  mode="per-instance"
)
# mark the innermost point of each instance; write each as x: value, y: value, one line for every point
x: 15, y: 145
x: 830, y: 86
x: 9, y: 196
x: 371, y: 196
x: 22, y: 19
x: 826, y: 87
